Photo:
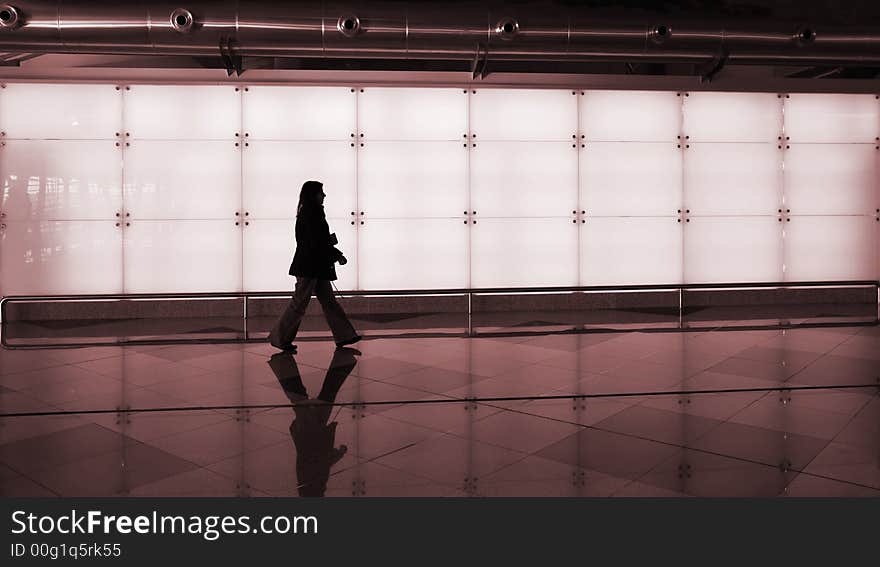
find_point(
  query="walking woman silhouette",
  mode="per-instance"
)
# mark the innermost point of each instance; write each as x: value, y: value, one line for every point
x: 313, y: 266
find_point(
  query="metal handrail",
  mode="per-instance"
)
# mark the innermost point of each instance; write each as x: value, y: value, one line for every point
x: 443, y: 291
x: 468, y: 292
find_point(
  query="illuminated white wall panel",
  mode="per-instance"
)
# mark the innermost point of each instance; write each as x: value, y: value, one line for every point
x: 631, y: 251
x: 413, y: 254
x: 412, y: 179
x: 182, y: 256
x: 61, y: 179
x: 71, y: 112
x: 268, y: 248
x: 733, y: 179
x: 300, y: 113
x: 732, y: 117
x: 832, y: 118
x: 182, y: 113
x: 626, y: 178
x: 524, y: 252
x: 527, y: 115
x: 821, y: 248
x: 523, y: 179
x: 412, y: 114
x: 629, y: 116
x: 732, y: 249
x: 273, y: 173
x: 182, y: 180
x: 63, y: 257
x: 831, y: 179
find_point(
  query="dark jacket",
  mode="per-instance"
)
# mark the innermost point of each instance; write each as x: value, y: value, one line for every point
x: 315, y: 253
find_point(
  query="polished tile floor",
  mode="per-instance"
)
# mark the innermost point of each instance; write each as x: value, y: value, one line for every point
x: 720, y: 412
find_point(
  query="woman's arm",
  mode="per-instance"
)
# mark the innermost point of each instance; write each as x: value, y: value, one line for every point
x: 313, y: 232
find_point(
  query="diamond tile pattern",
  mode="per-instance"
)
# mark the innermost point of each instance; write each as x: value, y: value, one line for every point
x: 718, y: 411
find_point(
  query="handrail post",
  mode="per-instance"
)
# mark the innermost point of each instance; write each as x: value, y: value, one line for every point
x: 470, y: 329
x: 245, y: 316
x: 680, y: 309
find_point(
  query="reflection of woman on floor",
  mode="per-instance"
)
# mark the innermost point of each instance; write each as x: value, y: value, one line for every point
x: 314, y: 270
x: 313, y: 437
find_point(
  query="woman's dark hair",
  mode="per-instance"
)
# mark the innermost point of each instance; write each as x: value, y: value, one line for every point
x: 308, y: 195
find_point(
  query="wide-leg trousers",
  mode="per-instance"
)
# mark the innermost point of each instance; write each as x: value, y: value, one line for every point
x: 285, y: 329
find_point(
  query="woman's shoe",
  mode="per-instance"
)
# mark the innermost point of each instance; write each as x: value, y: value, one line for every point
x: 350, y: 341
x: 290, y: 347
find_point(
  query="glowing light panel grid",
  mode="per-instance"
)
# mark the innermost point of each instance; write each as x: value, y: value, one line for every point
x: 299, y: 113
x: 182, y: 113
x: 630, y: 178
x: 822, y: 248
x: 204, y: 185
x: 60, y: 257
x: 412, y: 179
x: 182, y: 256
x: 524, y: 253
x: 61, y: 179
x: 733, y: 179
x: 831, y: 179
x: 412, y: 114
x: 732, y: 250
x: 631, y: 251
x: 629, y: 116
x: 732, y: 117
x: 523, y: 179
x: 64, y: 112
x: 413, y: 254
x: 524, y: 115
x: 273, y: 173
x: 832, y: 118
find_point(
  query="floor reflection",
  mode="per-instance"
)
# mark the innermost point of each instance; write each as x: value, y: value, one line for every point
x: 313, y: 434
x: 725, y: 412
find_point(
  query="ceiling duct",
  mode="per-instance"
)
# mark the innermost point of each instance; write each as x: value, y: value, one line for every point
x: 415, y: 31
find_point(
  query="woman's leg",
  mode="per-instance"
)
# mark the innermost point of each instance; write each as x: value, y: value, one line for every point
x: 340, y: 326
x: 286, y: 327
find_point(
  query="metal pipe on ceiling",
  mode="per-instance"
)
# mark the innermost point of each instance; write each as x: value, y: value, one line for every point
x: 457, y: 30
